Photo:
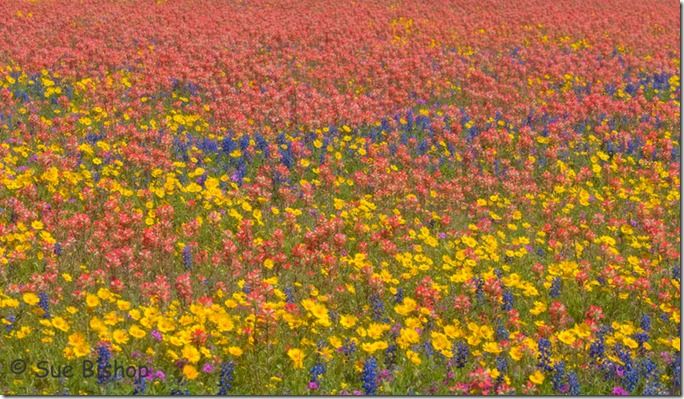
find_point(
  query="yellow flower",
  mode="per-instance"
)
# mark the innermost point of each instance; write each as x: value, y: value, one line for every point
x: 335, y: 342
x: 225, y: 323
x: 92, y: 301
x: 440, y: 342
x: 539, y: 307
x: 191, y: 353
x: 347, y: 321
x: 413, y: 357
x: 23, y: 332
x: 537, y: 377
x: 120, y: 336
x: 60, y: 324
x: 492, y: 347
x: 406, y: 307
x: 630, y: 343
x: 407, y: 336
x: 190, y: 372
x: 79, y: 345
x: 37, y: 224
x: 123, y: 305
x: 452, y: 331
x: 81, y: 350
x: 494, y: 373
x: 235, y: 351
x: 516, y: 353
x: 374, y: 347
x: 136, y: 331
x: 297, y: 357
x: 30, y: 298
x: 375, y: 330
x: 135, y: 314
x: 566, y: 337
x: 104, y: 294
x: 166, y: 325
x: 268, y: 263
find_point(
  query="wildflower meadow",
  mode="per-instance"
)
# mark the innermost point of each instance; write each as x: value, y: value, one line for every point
x: 306, y: 197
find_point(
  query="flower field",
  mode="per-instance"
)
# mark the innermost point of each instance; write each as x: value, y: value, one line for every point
x: 358, y: 197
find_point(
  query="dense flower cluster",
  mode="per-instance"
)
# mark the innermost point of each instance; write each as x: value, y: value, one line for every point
x: 304, y: 197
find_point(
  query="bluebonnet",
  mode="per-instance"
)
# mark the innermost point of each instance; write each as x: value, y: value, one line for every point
x: 558, y: 376
x: 501, y: 363
x: 391, y: 355
x: 422, y: 147
x: 631, y: 374
x: 316, y: 371
x: 378, y: 307
x: 461, y: 354
x: 648, y: 368
x: 641, y: 338
x: 57, y: 249
x: 573, y: 384
x: 44, y: 304
x: 187, y: 257
x: 427, y: 347
x: 555, y: 287
x: 244, y: 142
x: 103, y: 357
x: 479, y: 290
x: 507, y: 300
x: 349, y: 347
x: 369, y: 377
x: 286, y: 157
x: 289, y: 295
x: 226, y: 377
x: 676, y: 369
x: 140, y: 386
x: 399, y: 296
x: 646, y: 323
x: 12, y: 319
x: 262, y: 144
x: 544, y: 358
x: 631, y: 378
x: 227, y: 145
x: 653, y: 388
x: 502, y: 333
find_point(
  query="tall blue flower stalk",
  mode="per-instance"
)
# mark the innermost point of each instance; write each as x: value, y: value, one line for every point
x: 226, y: 377
x: 370, y: 376
x: 103, y: 358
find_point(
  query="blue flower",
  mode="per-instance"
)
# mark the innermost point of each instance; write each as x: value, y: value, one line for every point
x: 462, y: 351
x: 558, y: 376
x: 140, y: 386
x: 555, y: 287
x: 226, y: 378
x: 369, y: 376
x: 103, y: 357
x: 544, y: 357
x: 187, y: 257
x: 316, y: 371
x: 44, y: 304
x: 646, y: 322
x: 573, y: 384
x: 507, y: 300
